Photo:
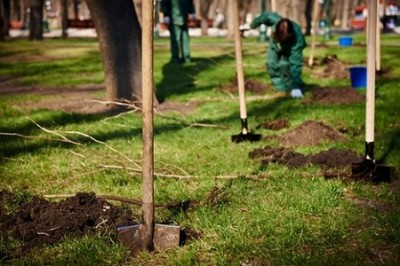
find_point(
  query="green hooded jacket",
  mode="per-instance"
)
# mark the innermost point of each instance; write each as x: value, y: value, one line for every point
x: 292, y: 52
x: 177, y: 10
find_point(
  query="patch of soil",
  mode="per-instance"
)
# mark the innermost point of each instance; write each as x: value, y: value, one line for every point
x: 81, y: 100
x: 181, y: 107
x: 250, y: 85
x: 310, y: 133
x: 333, y: 68
x: 40, y: 222
x: 274, y: 124
x: 335, y: 96
x: 332, y: 158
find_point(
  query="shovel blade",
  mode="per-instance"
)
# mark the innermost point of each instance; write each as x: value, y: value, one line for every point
x: 165, y: 237
x: 370, y: 171
x: 245, y: 137
x: 132, y: 237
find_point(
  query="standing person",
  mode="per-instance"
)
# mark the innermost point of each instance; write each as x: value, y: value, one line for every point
x: 285, y: 53
x: 176, y: 13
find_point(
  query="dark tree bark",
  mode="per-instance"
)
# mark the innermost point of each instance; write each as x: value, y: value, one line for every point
x: 36, y: 20
x: 4, y: 19
x: 64, y: 18
x: 308, y: 16
x: 119, y: 36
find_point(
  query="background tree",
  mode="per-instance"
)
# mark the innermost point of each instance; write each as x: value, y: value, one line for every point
x: 119, y: 36
x: 35, y: 19
x: 308, y: 17
x: 4, y: 19
x: 204, y: 11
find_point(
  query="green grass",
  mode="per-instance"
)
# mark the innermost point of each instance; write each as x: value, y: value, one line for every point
x: 282, y: 217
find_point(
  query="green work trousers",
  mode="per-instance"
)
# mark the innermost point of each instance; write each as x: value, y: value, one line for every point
x: 180, y: 49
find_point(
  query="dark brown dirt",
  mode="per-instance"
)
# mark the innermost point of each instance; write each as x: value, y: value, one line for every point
x: 332, y: 67
x: 331, y: 96
x: 40, y: 222
x: 250, y: 85
x: 310, y: 133
x: 332, y: 158
x: 274, y: 124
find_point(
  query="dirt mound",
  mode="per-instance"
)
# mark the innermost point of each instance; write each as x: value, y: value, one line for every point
x: 332, y: 68
x: 250, y: 85
x: 335, y: 96
x: 274, y: 124
x: 332, y: 158
x: 40, y: 222
x: 310, y: 133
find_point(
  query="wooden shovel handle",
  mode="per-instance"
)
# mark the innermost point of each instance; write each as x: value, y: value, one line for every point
x: 239, y: 60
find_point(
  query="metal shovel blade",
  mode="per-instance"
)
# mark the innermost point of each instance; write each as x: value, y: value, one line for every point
x: 245, y: 137
x: 370, y: 171
x: 165, y: 237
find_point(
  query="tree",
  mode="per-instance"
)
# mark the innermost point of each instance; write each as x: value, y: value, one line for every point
x: 308, y: 16
x: 204, y: 10
x: 4, y: 18
x: 35, y: 19
x: 119, y: 34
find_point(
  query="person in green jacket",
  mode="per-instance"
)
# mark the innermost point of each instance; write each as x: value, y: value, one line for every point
x: 176, y: 13
x: 285, y: 53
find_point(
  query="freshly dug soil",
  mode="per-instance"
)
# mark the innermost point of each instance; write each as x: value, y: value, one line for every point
x: 329, y: 96
x: 332, y: 68
x: 274, y: 124
x: 332, y: 158
x: 40, y: 222
x: 250, y: 85
x: 310, y: 133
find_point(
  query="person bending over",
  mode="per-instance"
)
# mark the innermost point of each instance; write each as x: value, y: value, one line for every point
x: 284, y: 58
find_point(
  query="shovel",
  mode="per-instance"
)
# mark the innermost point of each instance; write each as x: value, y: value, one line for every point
x: 368, y: 169
x: 244, y: 135
x: 148, y: 236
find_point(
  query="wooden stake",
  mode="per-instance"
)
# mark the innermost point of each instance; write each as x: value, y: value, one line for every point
x: 315, y: 31
x: 148, y: 138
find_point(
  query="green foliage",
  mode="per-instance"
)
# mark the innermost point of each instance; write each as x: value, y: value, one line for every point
x: 242, y: 212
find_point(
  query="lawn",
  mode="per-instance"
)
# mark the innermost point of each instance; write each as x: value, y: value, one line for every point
x: 241, y: 211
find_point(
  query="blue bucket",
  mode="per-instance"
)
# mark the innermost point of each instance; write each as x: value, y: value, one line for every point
x: 345, y: 41
x: 358, y: 76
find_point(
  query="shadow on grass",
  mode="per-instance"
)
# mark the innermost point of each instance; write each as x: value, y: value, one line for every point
x: 179, y: 79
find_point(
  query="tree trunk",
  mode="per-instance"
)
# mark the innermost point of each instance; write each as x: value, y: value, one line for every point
x: 2, y: 37
x: 119, y: 35
x: 345, y: 15
x: 6, y: 17
x: 64, y: 18
x: 204, y: 9
x: 308, y: 17
x: 36, y: 20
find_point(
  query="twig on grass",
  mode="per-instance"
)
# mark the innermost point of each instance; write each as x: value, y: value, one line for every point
x: 36, y: 137
x: 65, y: 139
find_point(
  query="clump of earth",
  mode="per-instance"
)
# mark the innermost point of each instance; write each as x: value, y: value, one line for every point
x: 310, y: 133
x: 329, y: 96
x: 250, y: 85
x: 40, y: 222
x: 332, y: 158
x: 332, y: 68
x: 274, y: 124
